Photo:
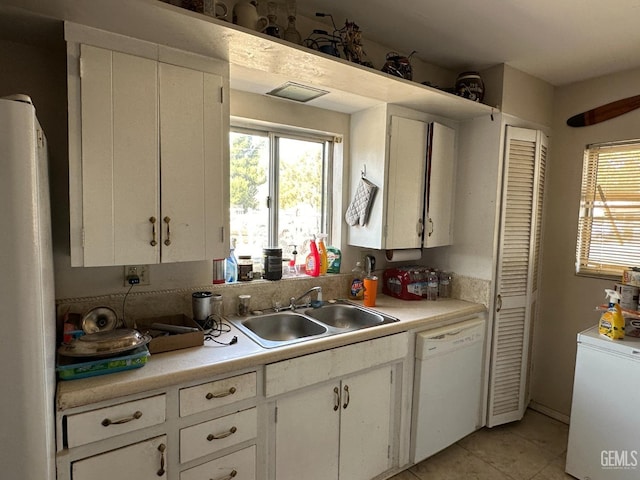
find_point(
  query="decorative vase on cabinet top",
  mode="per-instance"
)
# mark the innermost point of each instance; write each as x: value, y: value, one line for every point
x: 245, y: 14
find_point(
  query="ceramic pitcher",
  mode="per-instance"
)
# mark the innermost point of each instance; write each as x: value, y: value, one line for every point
x: 245, y: 14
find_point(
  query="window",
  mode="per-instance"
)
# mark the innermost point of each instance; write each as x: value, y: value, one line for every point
x: 609, y: 221
x: 279, y: 194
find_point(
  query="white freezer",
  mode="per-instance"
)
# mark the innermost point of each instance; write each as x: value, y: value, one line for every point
x: 604, y: 431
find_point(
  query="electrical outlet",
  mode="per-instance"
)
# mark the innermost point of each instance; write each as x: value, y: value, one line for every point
x: 142, y: 271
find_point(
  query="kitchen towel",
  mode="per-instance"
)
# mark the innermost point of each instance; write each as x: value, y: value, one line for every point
x: 403, y: 255
x: 360, y: 206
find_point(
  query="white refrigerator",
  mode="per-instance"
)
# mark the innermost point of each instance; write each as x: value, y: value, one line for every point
x: 604, y: 431
x: 27, y: 305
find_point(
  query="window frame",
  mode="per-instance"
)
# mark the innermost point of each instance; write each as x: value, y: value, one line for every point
x: 593, y: 199
x: 273, y: 132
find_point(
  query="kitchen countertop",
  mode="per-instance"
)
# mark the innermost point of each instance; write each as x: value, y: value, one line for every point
x: 211, y: 359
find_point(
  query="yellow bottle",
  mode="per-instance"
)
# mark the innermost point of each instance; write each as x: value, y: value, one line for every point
x: 322, y: 250
x: 612, y: 322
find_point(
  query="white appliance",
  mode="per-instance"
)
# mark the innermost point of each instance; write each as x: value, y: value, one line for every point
x: 447, y: 399
x: 604, y: 433
x: 27, y: 305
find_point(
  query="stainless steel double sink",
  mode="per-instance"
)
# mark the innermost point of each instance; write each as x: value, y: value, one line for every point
x: 278, y: 329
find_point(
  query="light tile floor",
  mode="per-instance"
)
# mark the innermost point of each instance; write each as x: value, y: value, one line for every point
x: 531, y: 449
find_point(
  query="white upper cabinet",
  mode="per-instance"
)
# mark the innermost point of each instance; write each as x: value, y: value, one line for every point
x: 440, y: 192
x: 411, y: 161
x: 148, y: 154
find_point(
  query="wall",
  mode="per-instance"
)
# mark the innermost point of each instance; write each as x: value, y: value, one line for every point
x: 567, y: 301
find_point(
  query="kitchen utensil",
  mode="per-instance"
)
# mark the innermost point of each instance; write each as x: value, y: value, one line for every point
x: 201, y: 306
x: 164, y: 327
x: 104, y: 343
x: 99, y: 319
x: 605, y: 112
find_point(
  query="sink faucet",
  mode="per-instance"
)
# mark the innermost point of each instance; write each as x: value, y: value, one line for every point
x: 294, y: 300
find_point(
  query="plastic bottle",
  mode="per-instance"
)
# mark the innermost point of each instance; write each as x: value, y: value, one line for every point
x: 432, y: 285
x: 313, y: 260
x: 444, y: 289
x: 334, y: 258
x: 231, y: 265
x: 356, y: 291
x: 322, y: 251
x: 612, y: 322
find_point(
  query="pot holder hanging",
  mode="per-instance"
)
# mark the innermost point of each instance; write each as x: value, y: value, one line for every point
x: 360, y: 206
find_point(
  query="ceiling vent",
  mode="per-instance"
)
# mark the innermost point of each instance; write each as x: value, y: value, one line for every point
x: 296, y: 92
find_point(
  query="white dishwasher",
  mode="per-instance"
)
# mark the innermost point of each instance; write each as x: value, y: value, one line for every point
x: 447, y: 398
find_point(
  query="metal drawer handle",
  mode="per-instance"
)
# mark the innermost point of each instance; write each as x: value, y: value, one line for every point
x: 347, y: 397
x: 153, y: 242
x: 231, y: 391
x: 231, y: 475
x: 161, y: 448
x: 212, y: 437
x: 336, y: 405
x: 167, y: 242
x: 106, y: 422
x: 430, y: 227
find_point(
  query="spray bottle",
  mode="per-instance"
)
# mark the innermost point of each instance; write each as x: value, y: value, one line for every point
x: 322, y: 251
x: 312, y: 265
x: 612, y: 322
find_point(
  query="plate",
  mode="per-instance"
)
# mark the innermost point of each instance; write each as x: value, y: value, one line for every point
x: 104, y: 344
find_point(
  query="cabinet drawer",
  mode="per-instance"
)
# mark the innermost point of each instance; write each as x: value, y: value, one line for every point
x: 216, y: 394
x: 108, y: 422
x: 214, y: 435
x: 142, y: 460
x: 288, y: 375
x: 239, y: 465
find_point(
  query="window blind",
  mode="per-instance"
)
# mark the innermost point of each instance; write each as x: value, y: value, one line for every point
x: 609, y: 220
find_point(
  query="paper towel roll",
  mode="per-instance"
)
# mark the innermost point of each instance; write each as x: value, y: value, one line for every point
x: 403, y: 255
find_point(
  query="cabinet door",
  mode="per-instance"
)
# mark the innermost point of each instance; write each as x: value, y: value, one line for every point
x: 405, y: 201
x: 141, y: 461
x: 193, y: 182
x: 119, y: 157
x: 365, y: 425
x: 440, y: 186
x: 307, y: 434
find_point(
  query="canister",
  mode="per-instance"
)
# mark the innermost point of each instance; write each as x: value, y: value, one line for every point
x: 218, y: 270
x: 201, y: 306
x: 628, y: 296
x: 245, y: 268
x: 272, y: 260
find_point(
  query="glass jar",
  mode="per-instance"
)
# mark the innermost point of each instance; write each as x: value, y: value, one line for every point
x: 245, y: 268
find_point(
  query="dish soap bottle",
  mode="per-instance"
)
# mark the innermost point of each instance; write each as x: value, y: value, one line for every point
x: 322, y: 251
x: 231, y: 265
x: 312, y: 266
x: 612, y: 322
x: 356, y: 292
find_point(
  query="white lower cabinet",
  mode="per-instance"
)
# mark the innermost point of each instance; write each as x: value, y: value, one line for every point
x: 337, y: 412
x: 240, y: 465
x: 193, y: 431
x: 339, y: 430
x: 141, y: 461
x: 209, y: 437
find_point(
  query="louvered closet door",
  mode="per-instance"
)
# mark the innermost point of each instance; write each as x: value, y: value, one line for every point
x: 517, y: 273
